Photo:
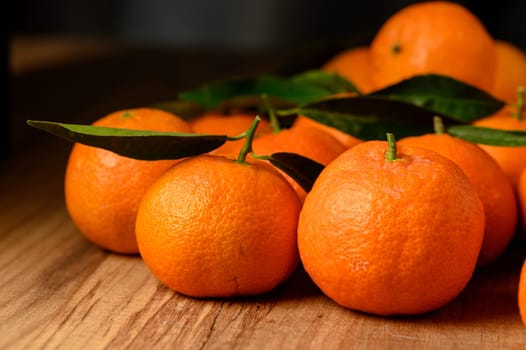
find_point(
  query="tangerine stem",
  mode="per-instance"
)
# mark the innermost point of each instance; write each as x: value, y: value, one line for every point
x: 390, y: 155
x: 520, y: 103
x: 249, y: 136
x: 274, y: 122
x: 438, y: 125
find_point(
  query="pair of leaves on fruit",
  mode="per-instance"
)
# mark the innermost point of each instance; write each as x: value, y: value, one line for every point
x: 406, y: 109
x: 155, y: 145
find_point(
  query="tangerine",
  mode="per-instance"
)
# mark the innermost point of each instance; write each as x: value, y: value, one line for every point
x: 511, y: 159
x: 490, y: 182
x: 310, y: 142
x: 216, y: 123
x: 344, y: 138
x: 522, y: 293
x: 378, y: 233
x: 521, y: 196
x: 354, y: 65
x: 103, y: 189
x: 214, y: 227
x: 433, y: 37
x: 511, y: 71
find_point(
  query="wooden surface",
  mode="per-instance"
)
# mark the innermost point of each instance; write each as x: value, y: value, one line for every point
x: 58, y: 291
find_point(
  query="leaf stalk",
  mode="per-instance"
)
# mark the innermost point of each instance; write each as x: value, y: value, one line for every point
x: 249, y: 136
x: 274, y: 121
x: 519, y: 111
x: 438, y: 125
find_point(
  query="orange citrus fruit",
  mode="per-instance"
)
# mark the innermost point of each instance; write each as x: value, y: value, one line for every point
x: 521, y: 196
x: 490, y: 182
x: 354, y: 65
x: 310, y: 142
x: 433, y: 37
x: 522, y: 293
x: 379, y: 233
x: 212, y: 227
x: 511, y: 71
x: 344, y: 138
x: 103, y: 189
x: 511, y: 159
x: 215, y: 123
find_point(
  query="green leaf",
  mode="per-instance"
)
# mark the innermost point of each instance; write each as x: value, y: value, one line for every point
x: 444, y: 96
x: 300, y: 89
x: 138, y: 144
x: 328, y: 80
x: 489, y: 136
x: 183, y: 109
x: 370, y: 117
x: 302, y: 169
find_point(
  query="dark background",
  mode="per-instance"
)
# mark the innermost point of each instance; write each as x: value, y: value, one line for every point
x: 184, y: 44
x: 237, y: 23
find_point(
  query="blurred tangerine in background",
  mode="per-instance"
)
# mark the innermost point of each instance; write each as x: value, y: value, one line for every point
x: 434, y: 37
x: 234, y: 124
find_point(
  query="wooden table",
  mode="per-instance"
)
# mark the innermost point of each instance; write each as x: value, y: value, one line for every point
x: 57, y: 290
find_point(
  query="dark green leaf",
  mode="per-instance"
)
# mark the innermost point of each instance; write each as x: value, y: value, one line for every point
x: 138, y: 144
x: 444, y: 96
x: 489, y: 136
x: 303, y: 170
x: 183, y: 109
x: 330, y: 81
x: 304, y: 88
x: 370, y: 118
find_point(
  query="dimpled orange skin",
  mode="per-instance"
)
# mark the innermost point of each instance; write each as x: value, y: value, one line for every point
x: 522, y: 293
x: 103, y: 189
x: 491, y: 183
x: 354, y: 65
x: 227, y: 124
x: 391, y: 237
x: 310, y: 142
x: 511, y: 71
x: 211, y: 227
x: 433, y: 37
x: 511, y: 159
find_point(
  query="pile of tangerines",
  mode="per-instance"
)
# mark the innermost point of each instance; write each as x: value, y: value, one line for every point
x: 389, y: 227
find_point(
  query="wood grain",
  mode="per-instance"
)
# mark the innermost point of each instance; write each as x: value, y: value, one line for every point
x: 59, y: 291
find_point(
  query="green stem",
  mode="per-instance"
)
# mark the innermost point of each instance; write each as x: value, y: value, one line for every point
x: 391, y: 148
x: 288, y: 112
x: 274, y: 121
x: 520, y: 103
x: 438, y: 125
x: 249, y: 136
